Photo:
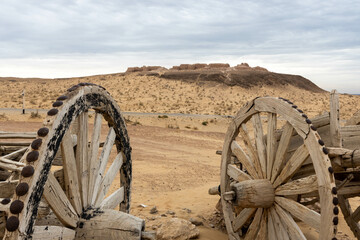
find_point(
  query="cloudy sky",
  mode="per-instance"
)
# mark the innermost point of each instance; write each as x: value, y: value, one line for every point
x: 319, y: 40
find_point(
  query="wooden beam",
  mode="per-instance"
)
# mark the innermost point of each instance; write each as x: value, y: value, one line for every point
x: 237, y: 174
x: 308, y: 216
x: 292, y: 165
x: 244, y: 159
x: 59, y: 202
x: 82, y: 157
x: 113, y: 200
x: 242, y: 218
x: 251, y: 149
x: 335, y: 119
x: 281, y: 151
x: 53, y: 232
x: 109, y: 178
x: 94, y: 149
x: 259, y: 142
x: 299, y: 186
x: 70, y: 172
x: 290, y: 225
x: 271, y: 143
x: 255, y: 225
x: 104, y: 158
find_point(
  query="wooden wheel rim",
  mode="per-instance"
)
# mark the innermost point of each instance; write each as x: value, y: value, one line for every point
x: 76, y: 102
x: 320, y: 160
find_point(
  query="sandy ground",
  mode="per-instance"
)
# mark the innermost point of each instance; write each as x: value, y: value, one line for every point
x: 173, y: 169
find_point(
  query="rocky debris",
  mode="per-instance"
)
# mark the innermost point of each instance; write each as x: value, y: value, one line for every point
x: 170, y: 212
x: 177, y: 229
x: 154, y: 210
x: 143, y: 69
x: 196, y: 221
x: 187, y: 210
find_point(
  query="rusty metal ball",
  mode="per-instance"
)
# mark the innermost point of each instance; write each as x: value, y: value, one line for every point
x: 336, y: 210
x: 334, y: 190
x: 335, y: 220
x: 52, y: 112
x: 5, y: 201
x: 331, y: 170
x: 12, y: 223
x: 325, y: 150
x: 335, y: 201
x: 16, y: 207
x: 42, y: 132
x: 313, y: 128
x: 62, y: 98
x: 57, y: 104
x: 321, y: 142
x: 36, y: 144
x: 32, y: 156
x: 27, y: 171
x: 308, y: 121
x: 22, y: 189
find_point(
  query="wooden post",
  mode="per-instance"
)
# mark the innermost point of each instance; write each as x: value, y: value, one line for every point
x: 23, y: 107
x: 335, y: 119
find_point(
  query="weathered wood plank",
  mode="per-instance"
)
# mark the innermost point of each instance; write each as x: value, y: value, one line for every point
x: 254, y: 226
x: 113, y: 200
x: 53, y: 233
x: 11, y: 165
x: 278, y: 225
x: 82, y: 157
x: 281, y: 151
x: 244, y: 159
x: 263, y: 230
x: 237, y: 174
x: 271, y: 143
x: 59, y: 202
x: 109, y: 178
x: 335, y: 119
x: 7, y: 188
x: 14, y: 135
x: 104, y: 158
x: 308, y: 216
x: 292, y: 165
x: 299, y: 186
x: 259, y: 142
x: 290, y: 225
x: 111, y: 224
x: 70, y: 172
x: 94, y: 149
x: 242, y: 218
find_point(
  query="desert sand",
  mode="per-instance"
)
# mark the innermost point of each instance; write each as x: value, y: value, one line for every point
x: 174, y: 160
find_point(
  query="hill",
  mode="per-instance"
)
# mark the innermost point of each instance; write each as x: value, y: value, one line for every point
x: 158, y: 90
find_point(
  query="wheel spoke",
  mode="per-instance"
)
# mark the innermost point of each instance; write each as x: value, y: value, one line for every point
x: 82, y: 158
x: 289, y: 223
x: 271, y: 143
x: 94, y: 149
x: 109, y: 178
x: 300, y: 186
x: 262, y: 234
x: 70, y: 172
x: 53, y: 232
x: 260, y: 143
x: 278, y: 225
x: 113, y: 200
x: 237, y: 174
x: 59, y: 203
x: 104, y: 158
x: 281, y: 151
x: 292, y: 165
x: 242, y: 218
x: 356, y: 214
x: 299, y: 211
x: 252, y: 153
x: 244, y: 159
x: 254, y: 226
x: 11, y: 165
x: 272, y: 232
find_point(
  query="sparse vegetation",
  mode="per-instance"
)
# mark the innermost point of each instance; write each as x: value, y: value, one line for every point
x: 163, y: 116
x: 35, y: 115
x: 205, y: 123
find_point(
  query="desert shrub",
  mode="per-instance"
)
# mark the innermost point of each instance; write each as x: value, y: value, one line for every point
x: 205, y: 123
x: 163, y: 116
x: 3, y: 116
x: 35, y: 114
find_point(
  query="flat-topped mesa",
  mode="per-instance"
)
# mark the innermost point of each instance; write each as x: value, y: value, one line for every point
x: 199, y: 66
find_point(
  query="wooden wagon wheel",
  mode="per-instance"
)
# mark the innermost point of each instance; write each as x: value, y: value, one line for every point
x: 83, y: 207
x: 265, y: 195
